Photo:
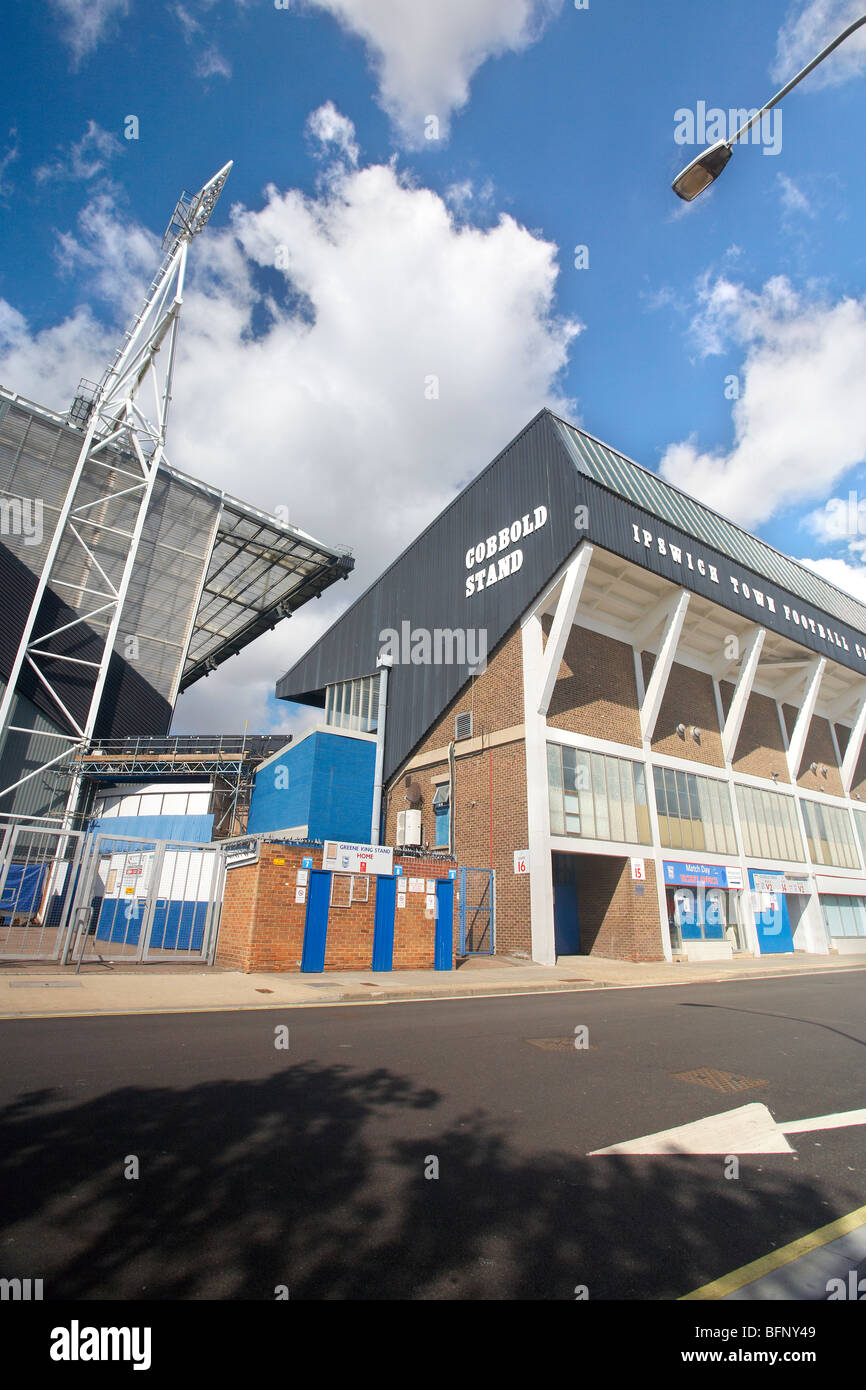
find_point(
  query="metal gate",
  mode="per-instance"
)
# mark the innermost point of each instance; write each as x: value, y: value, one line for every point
x: 477, y: 912
x: 39, y: 875
x: 148, y: 900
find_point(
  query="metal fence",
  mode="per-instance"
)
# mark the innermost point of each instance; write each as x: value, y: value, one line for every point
x: 40, y: 871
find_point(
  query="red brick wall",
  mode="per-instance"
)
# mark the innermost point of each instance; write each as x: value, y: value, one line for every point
x: 819, y: 749
x: 489, y: 802
x: 615, y: 920
x: 596, y: 689
x: 262, y: 927
x: 760, y: 749
x: 689, y: 699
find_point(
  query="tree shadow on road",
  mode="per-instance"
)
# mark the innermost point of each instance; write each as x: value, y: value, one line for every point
x: 313, y: 1178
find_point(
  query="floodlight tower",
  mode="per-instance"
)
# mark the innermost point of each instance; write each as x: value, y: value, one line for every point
x: 124, y: 441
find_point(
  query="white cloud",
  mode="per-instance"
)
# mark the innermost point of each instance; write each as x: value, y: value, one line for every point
x: 209, y: 62
x: 85, y: 159
x: 800, y: 420
x: 425, y: 54
x: 8, y: 157
x: 807, y: 29
x: 851, y: 578
x: 85, y: 23
x: 793, y: 197
x: 328, y: 411
x: 334, y: 132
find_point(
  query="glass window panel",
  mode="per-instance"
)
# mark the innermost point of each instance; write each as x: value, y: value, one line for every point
x: 641, y: 805
x: 599, y: 797
x: 626, y: 789
x: 583, y: 781
x: 614, y: 802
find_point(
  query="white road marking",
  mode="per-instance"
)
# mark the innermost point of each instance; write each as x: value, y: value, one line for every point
x: 841, y: 1120
x: 750, y: 1129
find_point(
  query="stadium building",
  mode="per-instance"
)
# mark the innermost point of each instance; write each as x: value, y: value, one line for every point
x: 639, y: 726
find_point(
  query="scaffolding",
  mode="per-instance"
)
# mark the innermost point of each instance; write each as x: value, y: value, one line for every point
x: 229, y: 761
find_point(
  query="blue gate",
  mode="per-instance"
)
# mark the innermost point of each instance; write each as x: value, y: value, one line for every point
x: 383, y: 929
x: 316, y: 924
x: 443, y: 954
x: 477, y: 912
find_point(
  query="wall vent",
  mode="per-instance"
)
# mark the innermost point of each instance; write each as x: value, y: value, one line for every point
x: 463, y: 725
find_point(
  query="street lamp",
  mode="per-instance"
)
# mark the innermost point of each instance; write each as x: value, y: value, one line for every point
x: 705, y: 169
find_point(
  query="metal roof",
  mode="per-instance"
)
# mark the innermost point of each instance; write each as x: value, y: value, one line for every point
x: 629, y: 479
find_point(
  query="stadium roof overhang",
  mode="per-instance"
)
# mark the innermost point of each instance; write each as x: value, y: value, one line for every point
x: 620, y: 599
x: 259, y: 571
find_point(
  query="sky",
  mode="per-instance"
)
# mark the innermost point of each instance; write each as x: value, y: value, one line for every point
x: 440, y: 218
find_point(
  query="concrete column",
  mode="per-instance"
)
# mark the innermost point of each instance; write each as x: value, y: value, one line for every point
x: 537, y: 804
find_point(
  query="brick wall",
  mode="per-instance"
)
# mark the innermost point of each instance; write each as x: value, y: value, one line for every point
x: 760, y: 749
x: 262, y: 927
x: 489, y: 801
x: 615, y: 921
x: 819, y: 749
x: 689, y: 699
x: 596, y: 689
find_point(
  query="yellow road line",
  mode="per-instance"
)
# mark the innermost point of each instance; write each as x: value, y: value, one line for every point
x: 767, y: 1264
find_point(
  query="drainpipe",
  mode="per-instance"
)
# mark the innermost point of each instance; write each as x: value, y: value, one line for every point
x: 451, y: 799
x: 383, y: 663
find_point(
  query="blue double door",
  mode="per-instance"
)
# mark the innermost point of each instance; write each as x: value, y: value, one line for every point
x: 316, y: 924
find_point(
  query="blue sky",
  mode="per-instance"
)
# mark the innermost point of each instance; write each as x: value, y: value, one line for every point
x: 351, y: 257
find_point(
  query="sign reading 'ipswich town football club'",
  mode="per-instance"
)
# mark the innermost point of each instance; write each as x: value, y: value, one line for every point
x: 343, y: 858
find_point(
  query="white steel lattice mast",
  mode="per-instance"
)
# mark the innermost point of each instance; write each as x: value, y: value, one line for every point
x: 127, y: 421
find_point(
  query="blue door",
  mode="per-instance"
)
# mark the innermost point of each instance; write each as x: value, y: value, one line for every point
x: 566, y: 931
x: 443, y: 957
x: 316, y: 924
x: 772, y: 921
x: 383, y: 929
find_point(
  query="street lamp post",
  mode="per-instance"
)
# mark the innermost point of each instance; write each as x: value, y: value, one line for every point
x: 705, y: 169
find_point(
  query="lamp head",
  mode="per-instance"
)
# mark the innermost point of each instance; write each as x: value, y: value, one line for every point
x: 702, y: 171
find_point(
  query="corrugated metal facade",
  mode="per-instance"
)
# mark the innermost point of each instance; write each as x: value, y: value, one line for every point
x: 426, y: 586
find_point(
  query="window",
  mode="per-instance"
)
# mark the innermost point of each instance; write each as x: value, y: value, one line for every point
x: 442, y: 815
x: 769, y: 821
x: 353, y: 705
x: 844, y: 916
x: 828, y: 833
x: 694, y: 812
x: 596, y: 797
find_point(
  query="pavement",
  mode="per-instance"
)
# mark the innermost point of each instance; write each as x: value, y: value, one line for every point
x: 35, y: 990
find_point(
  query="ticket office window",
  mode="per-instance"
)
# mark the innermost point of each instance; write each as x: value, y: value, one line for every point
x: 703, y: 914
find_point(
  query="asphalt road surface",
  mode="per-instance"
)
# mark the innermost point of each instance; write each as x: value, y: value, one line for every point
x: 314, y: 1169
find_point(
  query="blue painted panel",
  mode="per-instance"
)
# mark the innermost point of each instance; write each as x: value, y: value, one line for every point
x: 22, y: 891
x: 774, y: 928
x: 383, y: 930
x: 444, y: 946
x: 194, y: 828
x: 324, y: 782
x: 316, y: 924
x: 113, y: 924
x: 566, y: 932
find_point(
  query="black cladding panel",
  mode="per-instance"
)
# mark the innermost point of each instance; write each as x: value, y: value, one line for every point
x: 426, y: 587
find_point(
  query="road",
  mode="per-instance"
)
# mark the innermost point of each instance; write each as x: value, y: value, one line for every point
x: 312, y: 1169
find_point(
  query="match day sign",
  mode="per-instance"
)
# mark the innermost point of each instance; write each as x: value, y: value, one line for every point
x: 345, y: 858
